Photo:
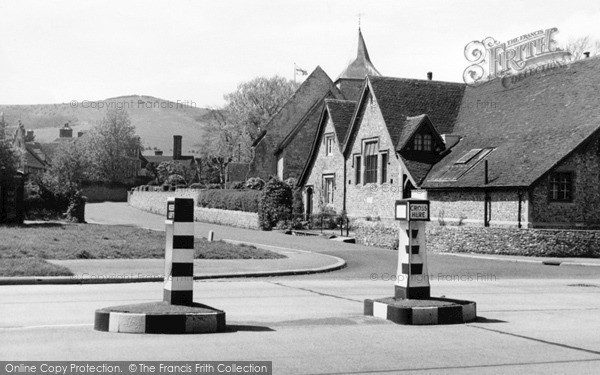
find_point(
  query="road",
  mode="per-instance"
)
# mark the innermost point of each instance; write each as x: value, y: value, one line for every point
x: 529, y: 322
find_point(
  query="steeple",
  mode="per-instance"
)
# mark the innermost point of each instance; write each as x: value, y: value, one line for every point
x: 362, y: 65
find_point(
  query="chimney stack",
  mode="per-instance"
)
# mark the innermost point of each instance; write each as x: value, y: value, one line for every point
x: 29, y: 136
x: 176, y: 147
x: 587, y: 54
x: 157, y: 153
x: 430, y: 75
x: 66, y: 131
x: 79, y: 134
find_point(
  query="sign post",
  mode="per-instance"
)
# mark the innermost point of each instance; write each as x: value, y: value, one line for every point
x: 412, y: 280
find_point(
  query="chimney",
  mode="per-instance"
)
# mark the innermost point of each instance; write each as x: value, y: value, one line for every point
x: 29, y: 136
x: 66, y: 131
x: 430, y: 75
x: 176, y: 147
x: 587, y: 54
x: 79, y: 134
x: 450, y: 140
x: 157, y: 153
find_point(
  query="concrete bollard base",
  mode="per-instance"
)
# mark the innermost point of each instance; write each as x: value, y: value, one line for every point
x: 160, y: 317
x: 422, y: 311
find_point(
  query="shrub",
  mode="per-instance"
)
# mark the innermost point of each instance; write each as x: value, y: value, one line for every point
x: 275, y: 204
x: 291, y: 182
x: 175, y: 180
x: 165, y: 188
x: 153, y: 183
x: 227, y: 199
x: 297, y: 204
x: 213, y: 186
x: 197, y: 185
x: 255, y: 183
x: 238, y: 185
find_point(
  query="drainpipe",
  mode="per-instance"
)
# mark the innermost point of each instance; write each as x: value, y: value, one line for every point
x: 344, y: 187
x: 486, y: 198
x: 520, y: 194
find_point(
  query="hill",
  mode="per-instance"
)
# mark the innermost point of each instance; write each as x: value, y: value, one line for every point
x: 156, y: 120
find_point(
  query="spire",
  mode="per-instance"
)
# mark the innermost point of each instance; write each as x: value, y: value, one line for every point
x: 362, y: 65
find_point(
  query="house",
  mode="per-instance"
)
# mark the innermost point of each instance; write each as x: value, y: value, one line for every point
x: 34, y: 160
x: 281, y: 149
x: 523, y: 156
x: 188, y: 161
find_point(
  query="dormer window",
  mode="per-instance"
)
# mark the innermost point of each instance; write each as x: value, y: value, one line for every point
x: 423, y: 142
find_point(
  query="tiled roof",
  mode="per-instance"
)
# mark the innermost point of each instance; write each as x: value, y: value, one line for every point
x: 399, y: 98
x: 351, y: 88
x: 418, y: 169
x: 341, y: 112
x: 362, y: 65
x: 532, y: 125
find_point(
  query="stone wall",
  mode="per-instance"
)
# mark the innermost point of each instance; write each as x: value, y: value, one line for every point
x: 584, y: 210
x: 490, y: 240
x: 156, y: 202
x: 466, y: 207
x: 327, y: 165
x: 375, y: 200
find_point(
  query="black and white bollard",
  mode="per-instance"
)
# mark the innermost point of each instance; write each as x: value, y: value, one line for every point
x: 412, y: 302
x: 179, y: 252
x: 412, y: 281
x: 176, y: 313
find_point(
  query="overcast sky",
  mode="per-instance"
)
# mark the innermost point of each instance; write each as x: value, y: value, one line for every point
x: 59, y: 51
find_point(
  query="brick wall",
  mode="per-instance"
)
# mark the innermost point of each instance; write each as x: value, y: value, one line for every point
x: 584, y: 210
x: 327, y: 165
x: 375, y: 199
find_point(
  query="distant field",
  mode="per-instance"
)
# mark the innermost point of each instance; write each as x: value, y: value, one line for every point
x: 23, y: 249
x: 156, y: 120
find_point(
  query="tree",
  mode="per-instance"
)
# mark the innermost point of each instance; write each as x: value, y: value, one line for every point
x: 167, y: 170
x: 232, y: 129
x: 113, y: 147
x: 577, y: 47
x: 10, y: 157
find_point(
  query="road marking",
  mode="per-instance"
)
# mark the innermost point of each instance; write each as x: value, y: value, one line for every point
x: 313, y: 291
x: 47, y: 326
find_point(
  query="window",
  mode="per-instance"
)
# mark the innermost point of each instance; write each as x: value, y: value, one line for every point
x: 423, y: 142
x: 328, y: 187
x: 329, y: 144
x: 384, y: 163
x: 561, y: 187
x: 370, y: 162
x: 357, y: 169
x: 418, y: 142
x: 427, y: 142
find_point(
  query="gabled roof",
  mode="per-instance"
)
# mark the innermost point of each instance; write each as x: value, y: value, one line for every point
x: 411, y: 126
x: 362, y: 65
x: 400, y: 98
x: 532, y: 125
x: 340, y: 112
x: 314, y: 88
x: 33, y: 159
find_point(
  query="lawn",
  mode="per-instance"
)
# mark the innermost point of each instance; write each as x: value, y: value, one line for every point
x: 24, y: 248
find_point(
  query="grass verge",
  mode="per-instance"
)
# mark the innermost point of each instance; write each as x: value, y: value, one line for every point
x: 24, y: 248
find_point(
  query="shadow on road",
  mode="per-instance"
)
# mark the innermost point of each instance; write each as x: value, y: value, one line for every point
x: 247, y: 328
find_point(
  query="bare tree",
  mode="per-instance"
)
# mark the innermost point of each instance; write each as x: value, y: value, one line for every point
x: 577, y: 47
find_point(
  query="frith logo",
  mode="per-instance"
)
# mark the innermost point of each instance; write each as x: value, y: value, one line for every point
x: 513, y: 60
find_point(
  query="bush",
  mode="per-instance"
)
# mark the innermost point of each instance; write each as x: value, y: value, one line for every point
x: 197, y: 185
x: 238, y: 185
x: 291, y: 182
x: 227, y: 199
x: 213, y: 186
x: 175, y: 180
x: 298, y: 204
x: 275, y: 204
x: 255, y: 183
x: 153, y: 183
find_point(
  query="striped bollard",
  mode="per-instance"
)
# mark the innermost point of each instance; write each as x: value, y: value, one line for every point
x: 179, y: 252
x: 412, y: 280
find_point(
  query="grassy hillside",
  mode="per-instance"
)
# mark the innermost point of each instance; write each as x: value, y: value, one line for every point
x: 156, y: 120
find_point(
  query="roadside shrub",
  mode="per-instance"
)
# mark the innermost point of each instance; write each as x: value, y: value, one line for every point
x: 291, y: 182
x: 255, y: 183
x: 165, y: 188
x: 228, y: 199
x: 175, y: 180
x: 275, y: 204
x: 213, y: 186
x: 238, y: 185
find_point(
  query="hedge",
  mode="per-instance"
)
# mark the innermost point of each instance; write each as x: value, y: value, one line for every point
x: 227, y: 199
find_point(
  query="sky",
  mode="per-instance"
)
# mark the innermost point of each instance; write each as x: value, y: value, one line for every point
x: 197, y: 51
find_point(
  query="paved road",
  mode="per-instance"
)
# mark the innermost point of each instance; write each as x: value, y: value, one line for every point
x: 314, y: 324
